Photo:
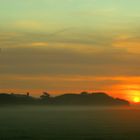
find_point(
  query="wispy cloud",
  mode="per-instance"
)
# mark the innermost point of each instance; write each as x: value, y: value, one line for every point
x: 28, y: 25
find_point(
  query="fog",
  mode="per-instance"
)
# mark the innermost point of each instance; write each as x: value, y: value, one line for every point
x: 69, y: 123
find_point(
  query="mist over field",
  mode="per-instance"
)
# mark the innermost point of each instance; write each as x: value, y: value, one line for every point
x: 69, y: 123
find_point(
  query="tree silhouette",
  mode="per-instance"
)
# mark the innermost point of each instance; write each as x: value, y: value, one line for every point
x: 45, y: 95
x: 84, y: 93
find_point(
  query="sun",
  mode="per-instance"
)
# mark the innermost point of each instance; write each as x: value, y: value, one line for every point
x: 133, y: 94
x: 136, y: 99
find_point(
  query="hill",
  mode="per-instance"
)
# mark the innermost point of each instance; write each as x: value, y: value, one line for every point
x: 84, y: 98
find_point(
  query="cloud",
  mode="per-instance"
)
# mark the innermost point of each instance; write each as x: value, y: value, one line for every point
x: 28, y: 25
x: 70, y: 82
x: 127, y: 42
x: 29, y: 60
x: 38, y: 44
x: 68, y: 61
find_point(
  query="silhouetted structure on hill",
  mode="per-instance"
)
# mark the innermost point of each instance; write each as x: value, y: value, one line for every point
x: 90, y: 99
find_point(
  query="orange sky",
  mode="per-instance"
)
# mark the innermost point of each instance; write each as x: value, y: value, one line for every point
x: 122, y: 87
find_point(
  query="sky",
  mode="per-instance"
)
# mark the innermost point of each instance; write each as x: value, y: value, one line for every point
x: 64, y: 46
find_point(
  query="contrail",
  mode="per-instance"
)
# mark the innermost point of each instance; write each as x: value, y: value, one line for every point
x: 58, y: 32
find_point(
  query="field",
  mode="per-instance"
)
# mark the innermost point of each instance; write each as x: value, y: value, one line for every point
x: 69, y: 123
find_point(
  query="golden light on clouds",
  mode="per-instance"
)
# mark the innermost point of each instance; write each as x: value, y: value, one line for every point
x: 129, y: 42
x: 28, y: 25
x: 39, y: 44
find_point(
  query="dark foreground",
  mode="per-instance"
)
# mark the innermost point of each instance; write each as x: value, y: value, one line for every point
x: 70, y: 123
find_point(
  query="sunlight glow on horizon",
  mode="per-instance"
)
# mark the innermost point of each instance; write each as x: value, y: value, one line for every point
x: 136, y: 99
